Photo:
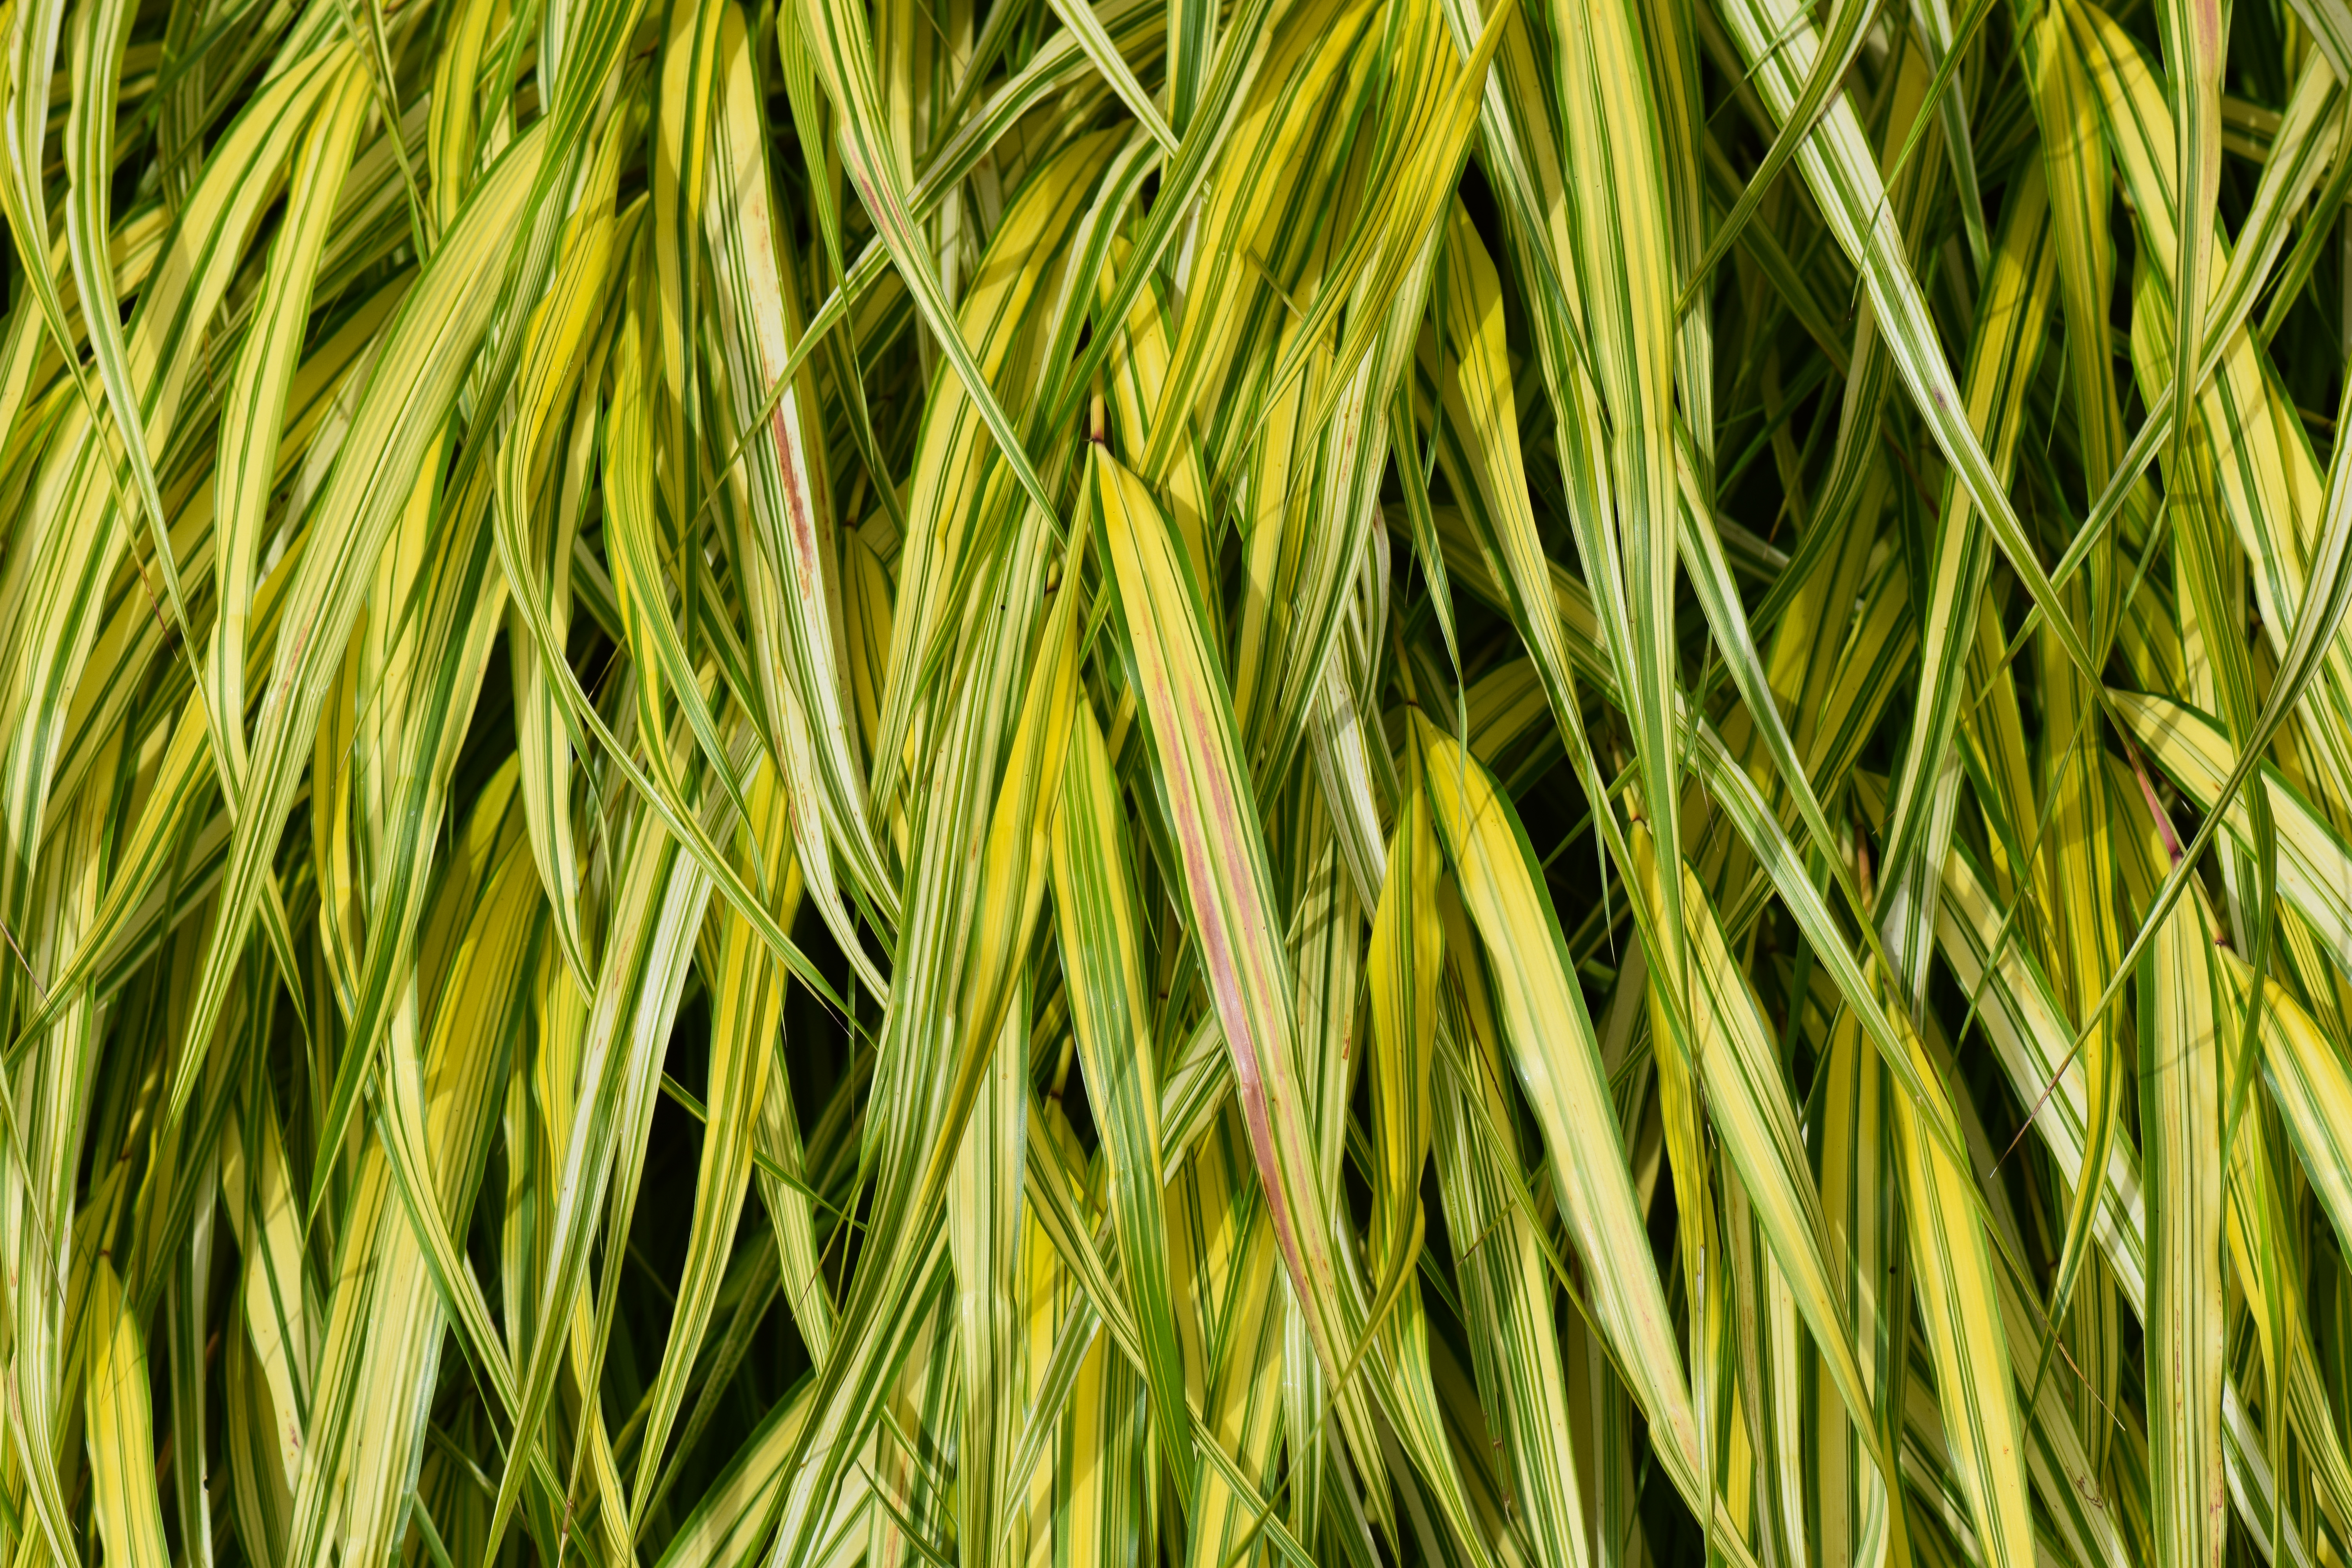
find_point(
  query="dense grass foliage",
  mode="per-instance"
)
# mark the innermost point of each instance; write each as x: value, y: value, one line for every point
x: 1010, y: 784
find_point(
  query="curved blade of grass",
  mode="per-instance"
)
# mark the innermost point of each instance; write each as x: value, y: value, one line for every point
x: 1961, y: 1307
x: 2181, y: 1119
x: 747, y: 1011
x: 122, y: 1429
x: 1228, y: 886
x: 1102, y: 962
x: 1557, y: 1059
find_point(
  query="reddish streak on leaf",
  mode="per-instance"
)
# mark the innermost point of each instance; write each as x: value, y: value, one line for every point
x: 796, y: 501
x: 760, y: 242
x: 1196, y: 802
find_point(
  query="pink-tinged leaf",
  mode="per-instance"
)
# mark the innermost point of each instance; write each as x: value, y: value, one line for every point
x: 1227, y: 884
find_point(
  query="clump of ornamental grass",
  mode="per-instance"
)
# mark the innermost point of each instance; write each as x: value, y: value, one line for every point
x: 1018, y: 783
